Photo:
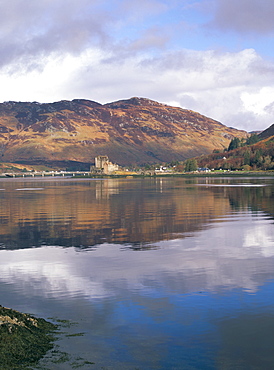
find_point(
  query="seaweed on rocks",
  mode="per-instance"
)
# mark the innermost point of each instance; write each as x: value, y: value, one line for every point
x: 24, y: 339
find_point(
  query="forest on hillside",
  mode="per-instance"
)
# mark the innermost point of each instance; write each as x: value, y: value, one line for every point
x: 250, y: 154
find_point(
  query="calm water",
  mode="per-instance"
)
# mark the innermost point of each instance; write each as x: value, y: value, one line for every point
x: 150, y: 273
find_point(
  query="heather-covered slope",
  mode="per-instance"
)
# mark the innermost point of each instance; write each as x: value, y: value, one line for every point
x: 132, y: 131
x: 268, y: 133
x: 259, y: 156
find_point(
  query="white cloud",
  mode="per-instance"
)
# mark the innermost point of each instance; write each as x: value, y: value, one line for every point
x: 234, y: 88
x: 31, y: 29
x: 105, y: 51
x: 257, y: 102
x: 219, y: 85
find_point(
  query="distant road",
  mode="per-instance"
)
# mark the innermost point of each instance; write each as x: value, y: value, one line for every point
x: 45, y: 174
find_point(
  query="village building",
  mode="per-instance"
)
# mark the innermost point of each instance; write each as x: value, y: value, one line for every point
x: 203, y: 169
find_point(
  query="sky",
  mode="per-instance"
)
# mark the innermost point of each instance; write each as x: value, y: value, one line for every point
x: 215, y: 57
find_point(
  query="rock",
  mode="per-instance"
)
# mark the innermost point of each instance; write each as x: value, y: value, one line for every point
x: 24, y: 339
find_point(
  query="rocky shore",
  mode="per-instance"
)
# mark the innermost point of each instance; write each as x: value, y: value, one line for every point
x: 24, y: 339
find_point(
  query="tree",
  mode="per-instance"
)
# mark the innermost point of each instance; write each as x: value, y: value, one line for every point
x: 258, y: 158
x: 246, y: 167
x: 267, y: 162
x: 173, y: 163
x: 252, y: 139
x: 191, y: 165
x: 234, y: 144
x: 247, y: 156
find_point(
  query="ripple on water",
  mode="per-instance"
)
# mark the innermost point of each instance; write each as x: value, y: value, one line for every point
x: 29, y: 189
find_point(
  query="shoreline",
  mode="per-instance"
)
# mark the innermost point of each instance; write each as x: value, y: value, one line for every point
x: 185, y: 174
x: 145, y: 175
x: 24, y: 339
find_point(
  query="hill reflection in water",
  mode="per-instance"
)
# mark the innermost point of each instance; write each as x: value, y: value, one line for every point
x: 155, y: 273
x: 84, y: 213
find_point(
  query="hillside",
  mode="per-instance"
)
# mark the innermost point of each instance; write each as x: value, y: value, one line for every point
x: 132, y: 131
x: 258, y: 156
x: 266, y: 134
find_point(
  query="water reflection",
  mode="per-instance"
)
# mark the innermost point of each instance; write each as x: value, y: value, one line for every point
x: 86, y: 213
x: 163, y: 273
x: 191, y: 301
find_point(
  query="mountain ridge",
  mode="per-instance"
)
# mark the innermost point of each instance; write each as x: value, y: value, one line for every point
x: 130, y: 131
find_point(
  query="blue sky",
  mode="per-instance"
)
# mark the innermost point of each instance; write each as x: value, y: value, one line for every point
x: 212, y: 56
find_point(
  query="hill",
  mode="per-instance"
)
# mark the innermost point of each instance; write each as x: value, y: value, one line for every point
x: 268, y: 133
x: 256, y: 153
x: 133, y: 131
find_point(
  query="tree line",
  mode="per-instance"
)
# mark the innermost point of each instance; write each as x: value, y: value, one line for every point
x: 249, y: 154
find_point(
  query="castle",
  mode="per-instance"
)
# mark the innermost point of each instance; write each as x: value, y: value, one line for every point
x: 103, y: 165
